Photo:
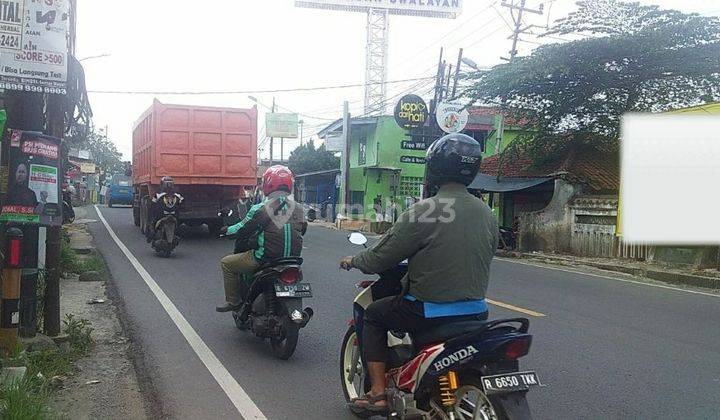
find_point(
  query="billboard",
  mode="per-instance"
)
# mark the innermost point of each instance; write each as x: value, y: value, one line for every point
x: 281, y: 125
x: 426, y: 8
x: 34, y: 46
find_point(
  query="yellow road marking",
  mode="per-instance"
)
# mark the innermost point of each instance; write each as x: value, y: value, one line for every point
x: 515, y: 308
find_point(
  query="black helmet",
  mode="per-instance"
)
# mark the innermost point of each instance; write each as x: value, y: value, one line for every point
x: 167, y: 185
x: 453, y: 158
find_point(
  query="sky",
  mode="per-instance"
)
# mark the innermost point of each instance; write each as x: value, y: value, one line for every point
x: 256, y: 45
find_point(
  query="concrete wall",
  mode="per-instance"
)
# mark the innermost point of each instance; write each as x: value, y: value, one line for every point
x: 550, y: 228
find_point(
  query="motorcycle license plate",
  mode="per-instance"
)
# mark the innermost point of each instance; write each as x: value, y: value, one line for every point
x: 295, y: 290
x: 509, y: 382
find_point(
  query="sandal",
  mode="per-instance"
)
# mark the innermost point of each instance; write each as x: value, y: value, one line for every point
x: 368, y: 404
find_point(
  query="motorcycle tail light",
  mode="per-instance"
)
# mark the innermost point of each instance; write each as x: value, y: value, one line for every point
x: 517, y: 348
x: 290, y: 276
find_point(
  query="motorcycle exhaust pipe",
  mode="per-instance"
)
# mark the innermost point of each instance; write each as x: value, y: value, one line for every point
x: 303, y: 317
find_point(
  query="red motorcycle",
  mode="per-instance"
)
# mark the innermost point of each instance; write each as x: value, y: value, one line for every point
x: 463, y: 370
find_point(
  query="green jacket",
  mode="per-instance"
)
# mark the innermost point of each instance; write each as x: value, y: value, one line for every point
x: 449, y: 240
x: 273, y: 228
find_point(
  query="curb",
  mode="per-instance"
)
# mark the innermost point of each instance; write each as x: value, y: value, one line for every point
x: 664, y: 276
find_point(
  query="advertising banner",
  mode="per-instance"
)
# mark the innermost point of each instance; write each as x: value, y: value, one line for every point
x: 34, y: 45
x: 281, y: 125
x: 33, y: 181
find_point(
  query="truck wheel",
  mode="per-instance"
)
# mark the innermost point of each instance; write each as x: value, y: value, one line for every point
x: 214, y: 228
x: 144, y: 215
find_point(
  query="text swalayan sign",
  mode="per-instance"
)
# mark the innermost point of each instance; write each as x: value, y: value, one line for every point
x: 34, y: 46
x: 33, y: 190
x: 427, y: 8
x: 411, y: 112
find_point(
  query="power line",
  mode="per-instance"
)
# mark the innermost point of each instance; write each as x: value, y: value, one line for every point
x: 246, y: 92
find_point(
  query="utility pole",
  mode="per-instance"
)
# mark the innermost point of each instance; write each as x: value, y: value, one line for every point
x: 346, y: 157
x: 301, y: 122
x: 517, y: 31
x: 457, y: 73
x: 272, y: 140
x: 51, y: 310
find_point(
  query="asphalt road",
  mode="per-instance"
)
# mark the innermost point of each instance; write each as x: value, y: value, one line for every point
x: 606, y: 348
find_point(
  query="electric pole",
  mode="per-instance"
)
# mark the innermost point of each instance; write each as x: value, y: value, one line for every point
x: 272, y: 140
x: 517, y: 31
x: 301, y: 122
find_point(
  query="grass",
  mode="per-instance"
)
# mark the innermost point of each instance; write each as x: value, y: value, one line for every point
x: 28, y: 399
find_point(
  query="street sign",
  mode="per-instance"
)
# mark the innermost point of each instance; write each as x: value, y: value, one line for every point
x: 428, y: 8
x: 452, y: 116
x: 411, y: 112
x: 281, y: 125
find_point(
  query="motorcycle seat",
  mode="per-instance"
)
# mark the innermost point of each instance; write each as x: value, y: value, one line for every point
x: 445, y: 332
x: 280, y: 261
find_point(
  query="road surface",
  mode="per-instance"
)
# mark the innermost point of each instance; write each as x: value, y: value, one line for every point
x: 605, y: 347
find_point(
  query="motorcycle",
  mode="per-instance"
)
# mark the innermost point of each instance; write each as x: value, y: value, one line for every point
x: 165, y: 239
x: 459, y: 371
x: 272, y: 304
x: 68, y: 211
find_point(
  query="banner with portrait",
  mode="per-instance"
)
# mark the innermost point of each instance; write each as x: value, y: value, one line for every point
x: 33, y: 180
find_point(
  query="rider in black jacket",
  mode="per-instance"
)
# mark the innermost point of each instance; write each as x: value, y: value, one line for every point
x: 165, y: 203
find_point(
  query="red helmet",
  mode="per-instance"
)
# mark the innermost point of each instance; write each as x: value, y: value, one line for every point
x: 276, y: 177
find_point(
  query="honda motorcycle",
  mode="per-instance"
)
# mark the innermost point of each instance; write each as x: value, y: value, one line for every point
x: 462, y: 370
x: 272, y: 301
x: 165, y: 239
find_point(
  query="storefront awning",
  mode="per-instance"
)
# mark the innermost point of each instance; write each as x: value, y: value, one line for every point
x: 490, y: 183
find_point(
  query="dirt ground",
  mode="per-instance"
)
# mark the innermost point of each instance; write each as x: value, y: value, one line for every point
x: 119, y: 394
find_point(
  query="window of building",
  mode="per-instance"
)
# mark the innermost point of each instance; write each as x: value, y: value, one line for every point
x: 362, y: 151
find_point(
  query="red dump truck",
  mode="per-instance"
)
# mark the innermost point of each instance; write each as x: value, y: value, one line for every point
x: 211, y: 153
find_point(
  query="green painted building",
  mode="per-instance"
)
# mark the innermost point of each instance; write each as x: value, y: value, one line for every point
x: 386, y: 166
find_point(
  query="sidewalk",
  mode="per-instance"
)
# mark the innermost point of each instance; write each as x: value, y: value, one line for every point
x: 106, y: 384
x: 662, y: 272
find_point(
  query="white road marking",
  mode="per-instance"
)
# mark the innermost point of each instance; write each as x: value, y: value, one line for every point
x: 659, y: 286
x: 237, y: 395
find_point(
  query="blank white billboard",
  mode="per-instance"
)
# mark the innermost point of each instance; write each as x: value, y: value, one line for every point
x: 670, y: 191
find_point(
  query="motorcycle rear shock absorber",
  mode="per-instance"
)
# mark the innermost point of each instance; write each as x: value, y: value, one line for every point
x: 448, y: 385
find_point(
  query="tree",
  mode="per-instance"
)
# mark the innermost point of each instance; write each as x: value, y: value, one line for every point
x: 637, y: 59
x: 105, y: 153
x: 307, y: 158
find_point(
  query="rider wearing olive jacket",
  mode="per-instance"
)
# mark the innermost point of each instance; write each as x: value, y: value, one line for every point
x: 449, y: 241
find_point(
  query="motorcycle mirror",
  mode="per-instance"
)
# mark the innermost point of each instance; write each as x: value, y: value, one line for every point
x: 357, y: 238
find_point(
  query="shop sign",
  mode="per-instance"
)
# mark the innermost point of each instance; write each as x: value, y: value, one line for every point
x: 412, y: 159
x: 411, y: 112
x: 452, y: 116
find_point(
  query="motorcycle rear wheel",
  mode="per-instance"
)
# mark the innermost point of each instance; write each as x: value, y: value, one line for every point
x: 473, y: 404
x: 284, y: 347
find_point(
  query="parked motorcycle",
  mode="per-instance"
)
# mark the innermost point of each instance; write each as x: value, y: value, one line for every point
x: 68, y: 211
x: 272, y: 306
x: 165, y: 239
x: 463, y: 370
